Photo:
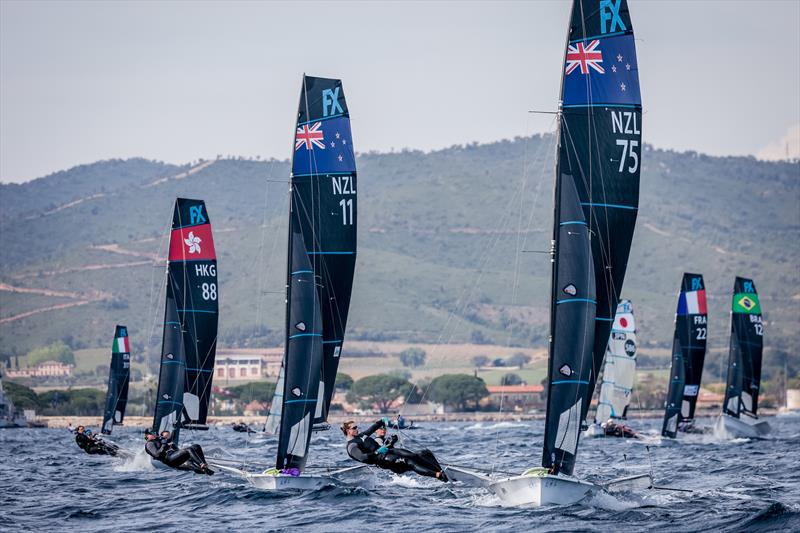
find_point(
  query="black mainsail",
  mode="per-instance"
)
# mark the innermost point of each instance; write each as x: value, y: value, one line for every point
x: 321, y: 264
x: 688, y: 354
x: 747, y: 343
x: 190, y: 322
x: 597, y: 197
x: 118, y: 378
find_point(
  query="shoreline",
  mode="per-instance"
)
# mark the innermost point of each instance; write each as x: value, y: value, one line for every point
x: 60, y: 422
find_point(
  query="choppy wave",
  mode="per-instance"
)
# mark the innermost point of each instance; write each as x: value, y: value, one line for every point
x: 48, y: 484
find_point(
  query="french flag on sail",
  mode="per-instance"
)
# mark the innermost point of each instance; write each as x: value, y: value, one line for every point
x: 692, y: 303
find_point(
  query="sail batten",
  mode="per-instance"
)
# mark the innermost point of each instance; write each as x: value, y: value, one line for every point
x: 118, y: 380
x: 745, y: 353
x: 596, y: 197
x: 320, y: 266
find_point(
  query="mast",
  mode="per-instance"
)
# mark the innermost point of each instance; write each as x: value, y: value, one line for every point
x: 597, y: 189
x: 190, y: 322
x: 688, y: 354
x: 619, y: 369
x: 118, y: 379
x: 321, y: 265
x: 746, y: 346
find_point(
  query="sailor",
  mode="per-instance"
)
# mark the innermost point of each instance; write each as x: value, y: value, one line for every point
x: 92, y: 445
x: 163, y: 449
x: 361, y: 447
x: 382, y: 439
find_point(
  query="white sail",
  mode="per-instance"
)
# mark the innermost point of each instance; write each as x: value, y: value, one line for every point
x: 274, y: 419
x: 619, y: 369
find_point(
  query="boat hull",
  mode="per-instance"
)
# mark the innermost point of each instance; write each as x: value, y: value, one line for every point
x: 301, y: 482
x: 277, y: 482
x: 541, y: 490
x: 729, y: 426
x: 466, y: 477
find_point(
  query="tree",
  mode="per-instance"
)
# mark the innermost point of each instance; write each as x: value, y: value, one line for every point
x: 519, y: 359
x: 413, y: 357
x: 400, y: 373
x: 21, y: 396
x: 481, y: 360
x: 458, y: 390
x: 379, y: 390
x: 58, y: 351
x: 260, y: 391
x: 511, y: 379
x: 343, y: 381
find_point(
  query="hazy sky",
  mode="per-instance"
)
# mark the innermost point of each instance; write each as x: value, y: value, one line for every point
x: 82, y: 81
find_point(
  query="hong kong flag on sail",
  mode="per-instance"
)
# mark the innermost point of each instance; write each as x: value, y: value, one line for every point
x: 692, y: 303
x: 192, y: 244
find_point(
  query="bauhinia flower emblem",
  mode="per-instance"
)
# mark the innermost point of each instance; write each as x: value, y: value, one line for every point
x: 193, y: 243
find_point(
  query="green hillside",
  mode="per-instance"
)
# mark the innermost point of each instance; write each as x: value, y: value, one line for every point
x: 438, y: 240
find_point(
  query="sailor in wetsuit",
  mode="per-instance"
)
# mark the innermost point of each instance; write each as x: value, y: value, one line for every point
x: 93, y: 445
x: 163, y: 449
x: 365, y: 449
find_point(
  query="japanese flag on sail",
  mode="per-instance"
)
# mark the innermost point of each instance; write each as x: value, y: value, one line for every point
x: 121, y: 345
x: 692, y: 303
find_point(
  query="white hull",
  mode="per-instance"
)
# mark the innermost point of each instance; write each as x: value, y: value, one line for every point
x: 278, y: 482
x: 727, y: 426
x: 629, y: 484
x: 466, y: 477
x: 301, y: 482
x: 538, y: 490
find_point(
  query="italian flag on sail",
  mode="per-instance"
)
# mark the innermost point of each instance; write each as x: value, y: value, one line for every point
x: 746, y: 302
x: 121, y: 345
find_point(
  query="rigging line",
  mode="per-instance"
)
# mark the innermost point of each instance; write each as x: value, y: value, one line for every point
x: 466, y: 297
x: 517, y: 259
x: 462, y: 302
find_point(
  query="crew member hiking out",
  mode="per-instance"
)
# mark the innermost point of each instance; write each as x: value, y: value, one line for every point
x: 163, y: 449
x: 363, y: 448
x: 93, y: 445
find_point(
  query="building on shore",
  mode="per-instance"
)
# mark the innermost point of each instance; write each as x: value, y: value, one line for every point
x: 516, y: 397
x: 247, y: 364
x: 44, y: 369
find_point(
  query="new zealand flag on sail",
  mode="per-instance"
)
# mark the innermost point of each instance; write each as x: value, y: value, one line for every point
x: 602, y: 71
x: 323, y: 146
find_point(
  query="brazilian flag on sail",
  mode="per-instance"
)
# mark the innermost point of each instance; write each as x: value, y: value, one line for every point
x: 746, y: 302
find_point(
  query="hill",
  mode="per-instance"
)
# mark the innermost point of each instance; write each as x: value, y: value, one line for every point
x: 439, y: 234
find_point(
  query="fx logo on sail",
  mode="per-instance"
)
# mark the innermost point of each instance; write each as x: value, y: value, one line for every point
x: 330, y: 102
x: 196, y: 215
x: 609, y: 12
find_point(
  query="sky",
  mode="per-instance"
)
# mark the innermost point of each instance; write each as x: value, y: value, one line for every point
x: 178, y: 81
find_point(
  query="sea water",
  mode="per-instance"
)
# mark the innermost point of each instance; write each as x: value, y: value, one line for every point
x: 48, y: 484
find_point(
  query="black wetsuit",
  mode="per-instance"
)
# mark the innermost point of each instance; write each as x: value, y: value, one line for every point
x: 363, y: 448
x: 94, y: 446
x: 189, y: 458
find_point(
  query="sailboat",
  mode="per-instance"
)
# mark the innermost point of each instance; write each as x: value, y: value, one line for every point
x: 688, y: 355
x: 118, y: 378
x: 319, y: 279
x: 9, y: 416
x: 619, y: 371
x: 739, y: 416
x: 191, y: 314
x: 596, y: 204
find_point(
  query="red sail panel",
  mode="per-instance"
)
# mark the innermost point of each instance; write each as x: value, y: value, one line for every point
x: 193, y: 243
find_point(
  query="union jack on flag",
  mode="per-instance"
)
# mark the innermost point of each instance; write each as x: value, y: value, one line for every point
x: 310, y: 137
x: 580, y: 55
